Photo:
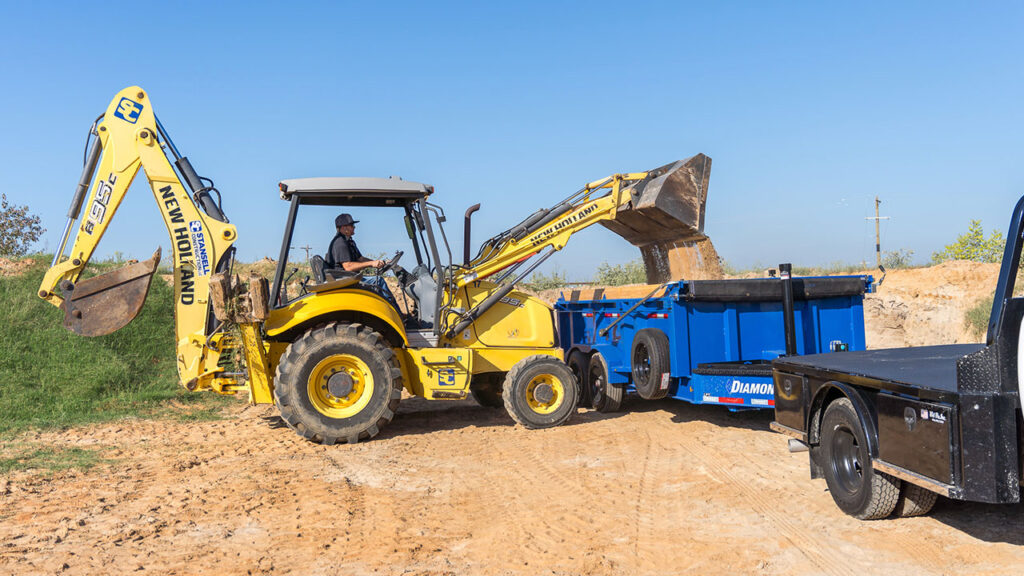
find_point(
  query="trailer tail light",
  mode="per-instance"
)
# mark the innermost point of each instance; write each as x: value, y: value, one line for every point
x: 611, y: 314
x: 658, y: 315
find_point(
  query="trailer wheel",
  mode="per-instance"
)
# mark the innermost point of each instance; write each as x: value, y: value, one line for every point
x: 486, y: 389
x: 338, y: 382
x: 650, y: 354
x: 855, y: 486
x: 579, y: 363
x: 540, y: 392
x: 604, y: 396
x: 914, y: 501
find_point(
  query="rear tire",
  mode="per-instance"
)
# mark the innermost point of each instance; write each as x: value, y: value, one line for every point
x: 604, y: 396
x: 486, y: 389
x: 650, y: 364
x: 914, y: 501
x: 579, y: 363
x: 540, y: 392
x: 338, y: 382
x: 855, y: 486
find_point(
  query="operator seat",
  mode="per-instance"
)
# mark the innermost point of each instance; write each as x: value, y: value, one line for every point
x: 320, y: 272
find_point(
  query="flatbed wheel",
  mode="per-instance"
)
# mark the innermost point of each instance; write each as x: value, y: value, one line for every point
x: 540, y: 392
x: 338, y: 382
x: 914, y: 501
x: 486, y: 389
x: 604, y: 396
x: 579, y: 363
x: 856, y: 487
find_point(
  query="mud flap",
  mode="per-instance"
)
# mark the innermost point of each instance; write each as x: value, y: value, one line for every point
x: 106, y: 303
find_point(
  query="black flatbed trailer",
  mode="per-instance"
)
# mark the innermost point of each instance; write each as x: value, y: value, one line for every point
x: 891, y: 429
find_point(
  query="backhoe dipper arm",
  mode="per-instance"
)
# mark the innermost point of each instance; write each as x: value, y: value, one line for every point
x: 129, y: 137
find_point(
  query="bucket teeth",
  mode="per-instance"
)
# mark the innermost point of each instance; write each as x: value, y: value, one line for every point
x: 103, y: 304
x: 667, y: 208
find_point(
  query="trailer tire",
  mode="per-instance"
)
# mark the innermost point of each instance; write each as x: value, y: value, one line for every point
x: 856, y: 487
x: 314, y: 403
x: 486, y: 389
x: 579, y: 363
x: 604, y: 396
x: 540, y: 392
x: 650, y: 363
x: 914, y: 501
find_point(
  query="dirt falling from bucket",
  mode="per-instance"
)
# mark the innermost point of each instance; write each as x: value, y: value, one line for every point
x: 685, y: 260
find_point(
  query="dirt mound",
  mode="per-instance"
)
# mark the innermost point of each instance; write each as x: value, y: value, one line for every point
x: 926, y: 306
x: 10, y: 267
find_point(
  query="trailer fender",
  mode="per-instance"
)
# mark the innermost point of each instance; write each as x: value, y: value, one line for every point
x: 825, y: 395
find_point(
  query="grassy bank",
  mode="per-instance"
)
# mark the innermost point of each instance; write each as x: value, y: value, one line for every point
x: 50, y: 377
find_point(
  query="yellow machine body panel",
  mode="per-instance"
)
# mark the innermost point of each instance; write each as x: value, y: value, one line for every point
x: 437, y: 373
x: 517, y: 321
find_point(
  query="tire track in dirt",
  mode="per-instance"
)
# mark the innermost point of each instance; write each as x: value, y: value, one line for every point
x: 801, y: 538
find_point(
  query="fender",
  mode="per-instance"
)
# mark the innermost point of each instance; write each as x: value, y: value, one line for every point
x: 859, y: 405
x: 350, y: 305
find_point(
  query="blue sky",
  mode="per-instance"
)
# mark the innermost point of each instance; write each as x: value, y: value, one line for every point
x: 809, y: 110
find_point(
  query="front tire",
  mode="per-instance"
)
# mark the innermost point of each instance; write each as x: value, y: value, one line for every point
x: 338, y: 382
x: 540, y: 392
x: 855, y: 486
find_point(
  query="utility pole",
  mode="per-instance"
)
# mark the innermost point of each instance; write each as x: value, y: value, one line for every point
x: 307, y: 248
x: 878, y: 236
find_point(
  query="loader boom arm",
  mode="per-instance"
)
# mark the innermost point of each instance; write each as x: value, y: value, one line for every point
x: 129, y: 137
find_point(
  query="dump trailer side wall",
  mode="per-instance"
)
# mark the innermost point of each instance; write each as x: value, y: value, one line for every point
x: 722, y: 333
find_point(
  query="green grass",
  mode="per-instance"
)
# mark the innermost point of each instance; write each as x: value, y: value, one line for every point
x: 51, y: 378
x: 976, y: 318
x: 49, y: 459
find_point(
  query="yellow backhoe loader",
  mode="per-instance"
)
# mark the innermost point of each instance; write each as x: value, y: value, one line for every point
x: 336, y: 355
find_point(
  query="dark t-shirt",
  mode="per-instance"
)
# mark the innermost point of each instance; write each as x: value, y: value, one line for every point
x: 342, y: 249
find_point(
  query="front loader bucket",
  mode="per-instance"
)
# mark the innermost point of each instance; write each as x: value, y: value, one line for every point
x: 106, y: 303
x: 668, y: 208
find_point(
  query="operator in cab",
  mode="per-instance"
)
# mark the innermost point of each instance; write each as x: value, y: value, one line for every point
x: 343, y: 252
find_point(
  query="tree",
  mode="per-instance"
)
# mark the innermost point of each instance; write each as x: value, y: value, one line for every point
x: 973, y: 245
x: 19, y: 228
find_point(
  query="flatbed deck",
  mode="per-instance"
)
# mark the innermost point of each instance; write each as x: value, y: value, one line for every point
x: 923, y: 369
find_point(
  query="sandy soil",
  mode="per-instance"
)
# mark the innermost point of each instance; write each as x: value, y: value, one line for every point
x: 453, y: 488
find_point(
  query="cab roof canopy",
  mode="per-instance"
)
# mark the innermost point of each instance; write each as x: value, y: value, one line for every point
x: 391, y: 191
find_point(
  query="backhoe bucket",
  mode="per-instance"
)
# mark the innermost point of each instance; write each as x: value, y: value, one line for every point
x: 106, y: 303
x: 668, y: 208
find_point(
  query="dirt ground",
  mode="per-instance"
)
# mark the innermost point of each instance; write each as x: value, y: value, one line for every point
x: 453, y: 488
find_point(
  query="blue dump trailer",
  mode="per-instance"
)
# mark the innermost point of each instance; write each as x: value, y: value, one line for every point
x: 705, y: 341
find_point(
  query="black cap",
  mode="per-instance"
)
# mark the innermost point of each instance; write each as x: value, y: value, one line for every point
x: 344, y: 220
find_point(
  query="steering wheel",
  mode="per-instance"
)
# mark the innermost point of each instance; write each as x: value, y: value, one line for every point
x: 390, y: 263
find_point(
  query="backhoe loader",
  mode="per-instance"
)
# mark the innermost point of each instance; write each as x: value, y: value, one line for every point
x: 336, y: 355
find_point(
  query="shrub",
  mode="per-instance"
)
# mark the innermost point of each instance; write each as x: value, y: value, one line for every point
x: 976, y: 318
x: 540, y: 281
x: 619, y: 274
x: 901, y: 258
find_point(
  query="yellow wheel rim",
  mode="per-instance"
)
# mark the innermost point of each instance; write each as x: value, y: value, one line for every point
x: 357, y: 380
x: 541, y: 383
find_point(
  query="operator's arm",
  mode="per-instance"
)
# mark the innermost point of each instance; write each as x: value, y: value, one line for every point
x: 343, y: 257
